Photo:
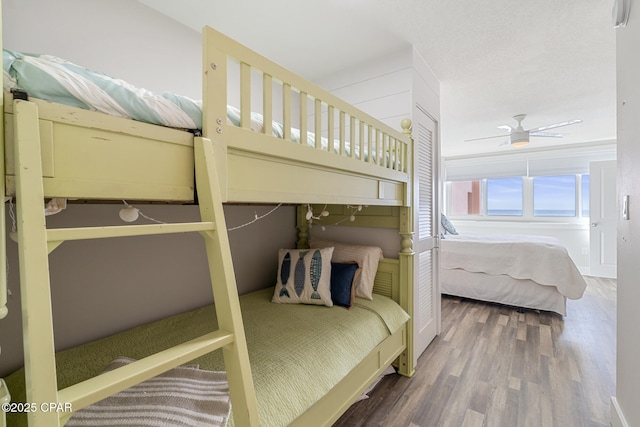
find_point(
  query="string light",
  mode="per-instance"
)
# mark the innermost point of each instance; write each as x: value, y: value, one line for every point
x: 310, y: 216
x: 256, y: 218
x: 131, y: 213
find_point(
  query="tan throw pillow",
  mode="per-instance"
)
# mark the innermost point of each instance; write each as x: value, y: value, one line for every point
x: 367, y: 258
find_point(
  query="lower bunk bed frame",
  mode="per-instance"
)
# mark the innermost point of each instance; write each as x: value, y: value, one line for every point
x: 53, y: 150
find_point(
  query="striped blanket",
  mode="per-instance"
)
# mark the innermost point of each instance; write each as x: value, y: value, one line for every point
x: 183, y: 396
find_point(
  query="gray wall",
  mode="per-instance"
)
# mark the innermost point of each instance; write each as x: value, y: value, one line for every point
x: 101, y: 287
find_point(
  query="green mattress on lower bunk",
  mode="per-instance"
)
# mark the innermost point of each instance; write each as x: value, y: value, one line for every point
x: 297, y: 352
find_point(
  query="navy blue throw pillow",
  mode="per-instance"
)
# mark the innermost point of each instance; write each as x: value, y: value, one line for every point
x: 342, y: 279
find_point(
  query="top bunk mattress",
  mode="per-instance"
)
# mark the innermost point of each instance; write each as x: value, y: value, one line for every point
x: 297, y: 352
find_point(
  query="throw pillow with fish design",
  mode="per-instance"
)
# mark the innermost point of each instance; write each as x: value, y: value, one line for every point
x: 304, y: 277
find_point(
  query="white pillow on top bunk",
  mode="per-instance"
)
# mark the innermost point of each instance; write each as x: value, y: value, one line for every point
x: 304, y: 277
x: 367, y: 258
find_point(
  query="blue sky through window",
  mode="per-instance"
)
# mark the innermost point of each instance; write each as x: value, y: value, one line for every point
x: 554, y: 195
x: 504, y: 196
x: 551, y: 196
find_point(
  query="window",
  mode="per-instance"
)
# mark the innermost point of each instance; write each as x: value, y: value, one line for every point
x: 554, y: 195
x: 540, y: 198
x: 504, y: 196
x: 540, y: 186
x: 465, y: 198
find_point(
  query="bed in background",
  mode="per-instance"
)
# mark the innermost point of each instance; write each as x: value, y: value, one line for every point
x: 330, y: 153
x: 534, y: 272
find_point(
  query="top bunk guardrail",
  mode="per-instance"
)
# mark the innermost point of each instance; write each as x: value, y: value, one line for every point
x: 298, y: 110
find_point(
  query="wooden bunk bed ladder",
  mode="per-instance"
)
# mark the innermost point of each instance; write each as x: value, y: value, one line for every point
x: 34, y: 244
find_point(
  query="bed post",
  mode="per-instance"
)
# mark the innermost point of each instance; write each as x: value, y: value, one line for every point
x: 407, y: 271
x: 33, y: 256
x: 211, y: 155
x: 406, y: 258
x: 214, y: 103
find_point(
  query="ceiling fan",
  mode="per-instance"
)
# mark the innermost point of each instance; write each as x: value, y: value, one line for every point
x: 519, y: 137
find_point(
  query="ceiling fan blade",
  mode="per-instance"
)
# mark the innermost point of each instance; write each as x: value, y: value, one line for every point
x: 548, y: 134
x: 556, y: 125
x: 505, y: 142
x: 506, y: 127
x: 486, y: 137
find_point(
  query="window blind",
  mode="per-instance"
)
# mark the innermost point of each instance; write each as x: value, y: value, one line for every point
x: 567, y: 161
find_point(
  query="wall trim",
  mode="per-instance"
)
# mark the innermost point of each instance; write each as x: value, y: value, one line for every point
x: 617, y: 417
x: 518, y: 223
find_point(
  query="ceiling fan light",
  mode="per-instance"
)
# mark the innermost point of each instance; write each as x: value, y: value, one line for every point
x: 520, y: 139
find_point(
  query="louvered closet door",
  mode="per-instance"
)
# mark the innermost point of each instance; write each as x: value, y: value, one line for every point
x: 427, y: 289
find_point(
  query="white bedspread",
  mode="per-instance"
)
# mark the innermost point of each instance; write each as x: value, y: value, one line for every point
x: 539, y: 258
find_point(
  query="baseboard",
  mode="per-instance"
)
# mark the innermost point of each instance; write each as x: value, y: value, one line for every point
x: 617, y: 417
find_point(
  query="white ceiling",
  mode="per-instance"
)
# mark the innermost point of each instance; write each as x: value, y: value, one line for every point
x: 553, y: 60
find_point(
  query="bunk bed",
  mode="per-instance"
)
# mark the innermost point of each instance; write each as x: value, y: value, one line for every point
x: 328, y: 153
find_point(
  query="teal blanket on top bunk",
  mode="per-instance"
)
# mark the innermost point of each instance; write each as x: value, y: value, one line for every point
x: 297, y: 352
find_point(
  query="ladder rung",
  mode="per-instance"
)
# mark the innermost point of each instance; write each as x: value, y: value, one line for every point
x: 81, y: 233
x: 104, y: 385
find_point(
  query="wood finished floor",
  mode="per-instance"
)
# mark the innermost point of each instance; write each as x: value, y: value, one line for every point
x: 495, y: 366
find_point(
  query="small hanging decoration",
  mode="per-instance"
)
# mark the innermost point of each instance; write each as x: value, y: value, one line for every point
x: 310, y: 216
x: 129, y: 214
